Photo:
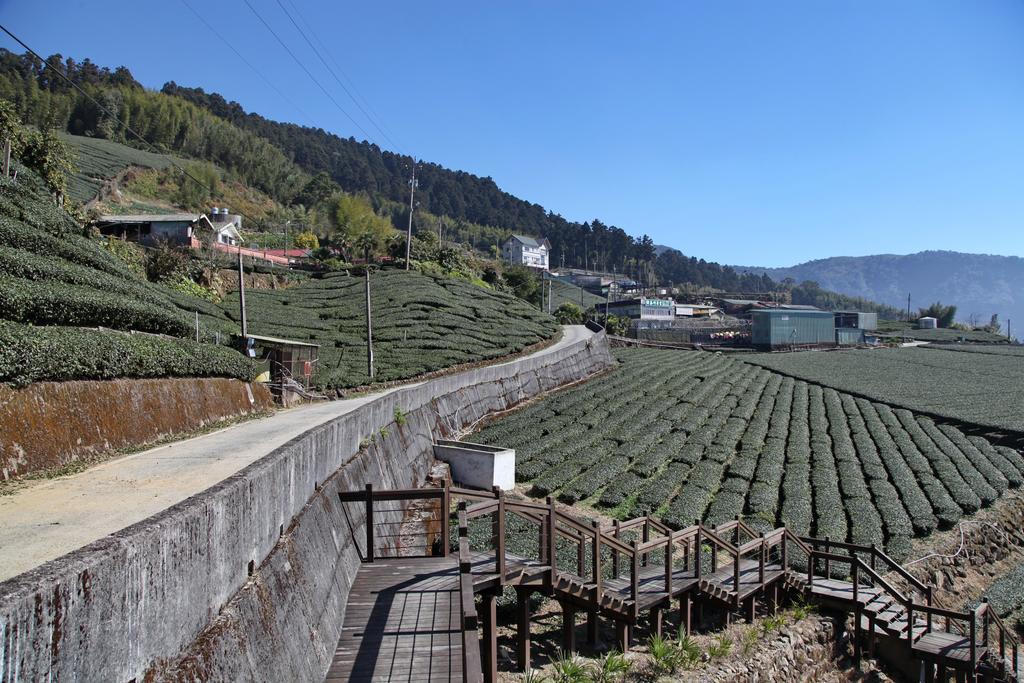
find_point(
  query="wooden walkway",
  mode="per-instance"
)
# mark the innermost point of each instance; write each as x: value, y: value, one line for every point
x: 415, y: 618
x: 403, y: 623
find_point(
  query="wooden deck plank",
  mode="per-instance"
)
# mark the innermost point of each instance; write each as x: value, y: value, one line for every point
x: 402, y: 623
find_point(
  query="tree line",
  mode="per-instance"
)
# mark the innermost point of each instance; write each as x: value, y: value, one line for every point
x: 304, y: 167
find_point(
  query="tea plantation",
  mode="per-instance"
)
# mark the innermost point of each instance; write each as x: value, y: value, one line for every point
x: 421, y: 323
x: 54, y: 279
x: 97, y: 160
x: 981, y: 388
x: 691, y: 435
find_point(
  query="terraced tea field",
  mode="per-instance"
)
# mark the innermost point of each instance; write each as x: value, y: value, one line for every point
x: 979, y: 388
x: 691, y: 435
x: 421, y: 323
x: 98, y: 160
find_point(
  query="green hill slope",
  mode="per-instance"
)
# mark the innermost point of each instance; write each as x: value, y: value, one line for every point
x: 55, y: 280
x: 421, y: 323
x: 98, y: 160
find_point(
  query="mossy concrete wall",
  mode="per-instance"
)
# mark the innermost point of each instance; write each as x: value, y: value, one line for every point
x: 52, y: 424
x: 176, y: 598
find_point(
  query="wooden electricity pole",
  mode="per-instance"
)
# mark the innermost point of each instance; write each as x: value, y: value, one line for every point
x: 408, y: 231
x: 369, y: 326
x: 241, y: 295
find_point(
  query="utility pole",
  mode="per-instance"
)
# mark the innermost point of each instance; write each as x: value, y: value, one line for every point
x: 908, y: 307
x: 369, y: 326
x: 286, y: 236
x: 408, y: 231
x: 438, y: 233
x: 241, y: 295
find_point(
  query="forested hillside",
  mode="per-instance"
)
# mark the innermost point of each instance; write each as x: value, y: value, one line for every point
x: 285, y: 160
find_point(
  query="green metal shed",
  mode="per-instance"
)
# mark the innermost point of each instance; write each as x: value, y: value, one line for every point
x: 776, y: 328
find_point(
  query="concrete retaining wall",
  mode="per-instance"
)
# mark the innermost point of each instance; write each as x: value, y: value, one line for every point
x: 50, y: 424
x: 249, y: 579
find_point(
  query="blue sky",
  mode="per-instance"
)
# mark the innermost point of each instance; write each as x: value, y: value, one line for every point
x: 763, y: 133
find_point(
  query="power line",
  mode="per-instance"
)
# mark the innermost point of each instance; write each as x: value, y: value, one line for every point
x: 351, y: 91
x: 303, y: 67
x: 109, y: 113
x: 247, y: 62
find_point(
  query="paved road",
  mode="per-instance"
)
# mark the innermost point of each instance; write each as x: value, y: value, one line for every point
x: 50, y: 518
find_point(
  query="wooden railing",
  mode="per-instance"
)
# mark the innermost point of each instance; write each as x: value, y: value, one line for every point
x: 601, y: 552
x: 385, y: 523
x: 472, y: 669
x: 866, y: 570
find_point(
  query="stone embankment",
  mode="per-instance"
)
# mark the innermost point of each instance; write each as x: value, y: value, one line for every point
x: 52, y: 424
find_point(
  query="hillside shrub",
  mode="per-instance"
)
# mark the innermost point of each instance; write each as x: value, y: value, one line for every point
x: 34, y: 354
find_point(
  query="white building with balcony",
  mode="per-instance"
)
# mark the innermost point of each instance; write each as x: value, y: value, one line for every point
x: 527, y: 251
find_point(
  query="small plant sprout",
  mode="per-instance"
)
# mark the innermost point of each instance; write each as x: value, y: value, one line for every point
x: 399, y: 417
x: 611, y: 667
x: 689, y: 651
x: 721, y: 648
x: 384, y: 432
x: 665, y: 656
x: 568, y: 668
x: 534, y: 676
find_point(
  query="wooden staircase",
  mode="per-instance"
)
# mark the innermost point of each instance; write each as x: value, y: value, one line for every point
x: 621, y: 570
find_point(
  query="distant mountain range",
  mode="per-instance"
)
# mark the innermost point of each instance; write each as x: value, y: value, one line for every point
x: 978, y: 284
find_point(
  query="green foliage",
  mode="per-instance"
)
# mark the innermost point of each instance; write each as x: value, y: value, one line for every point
x: 612, y: 666
x: 978, y: 388
x: 665, y: 656
x: 399, y: 417
x: 721, y: 648
x: 524, y: 283
x: 361, y: 230
x: 568, y: 668
x: 189, y: 287
x: 306, y: 240
x: 569, y: 314
x: 946, y: 315
x: 689, y: 650
x: 35, y: 354
x: 421, y: 323
x: 131, y: 254
x: 690, y: 435
x: 196, y: 194
x: 47, y: 154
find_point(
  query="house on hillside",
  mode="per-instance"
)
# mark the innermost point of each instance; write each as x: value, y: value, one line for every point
x: 174, y: 229
x: 527, y: 251
x: 227, y: 226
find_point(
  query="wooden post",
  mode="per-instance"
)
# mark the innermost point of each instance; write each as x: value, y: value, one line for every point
x: 974, y: 637
x: 552, y: 538
x: 369, y: 522
x: 523, y: 620
x: 593, y: 628
x: 581, y: 556
x: 785, y: 553
x: 984, y: 621
x: 446, y: 513
x: 656, y: 620
x: 490, y: 641
x: 617, y: 533
x: 668, y: 565
x: 828, y: 561
x: 928, y: 598
x: 634, y: 579
x: 623, y: 633
x: 500, y: 559
x: 752, y: 608
x: 596, y: 565
x: 646, y: 536
x: 568, y: 627
x: 760, y: 567
x: 696, y: 554
x: 685, y: 609
x: 874, y: 553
